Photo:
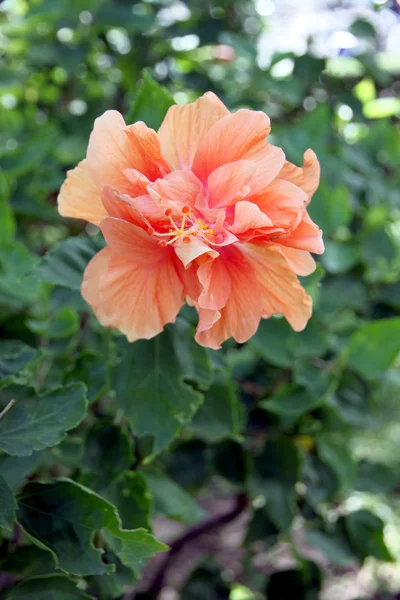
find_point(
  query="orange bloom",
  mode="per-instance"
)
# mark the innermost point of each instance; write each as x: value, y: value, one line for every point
x: 204, y: 211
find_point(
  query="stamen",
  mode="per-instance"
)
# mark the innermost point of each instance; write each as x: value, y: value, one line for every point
x: 185, y: 210
x: 150, y: 230
x: 173, y: 222
x: 163, y: 243
x: 186, y: 240
x: 211, y: 231
x: 168, y: 212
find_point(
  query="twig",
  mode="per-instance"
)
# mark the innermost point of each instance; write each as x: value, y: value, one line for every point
x: 7, y: 408
x: 241, y: 503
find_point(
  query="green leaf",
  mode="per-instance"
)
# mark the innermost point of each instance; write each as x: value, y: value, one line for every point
x: 62, y: 518
x: 276, y: 471
x: 376, y: 478
x: 151, y: 103
x: 231, y: 461
x: 333, y: 452
x: 15, y: 469
x: 333, y: 545
x: 222, y: 413
x: 14, y: 357
x: 7, y: 506
x: 130, y: 494
x: 340, y: 257
x: 150, y: 383
x: 261, y: 528
x: 320, y: 480
x: 7, y: 220
x: 37, y: 422
x: 373, y: 348
x: 65, y: 263
x: 331, y: 208
x: 279, y: 345
x: 62, y: 325
x: 18, y: 287
x: 171, y: 500
x: 291, y: 403
x: 48, y: 587
x: 365, y: 531
x: 108, y: 453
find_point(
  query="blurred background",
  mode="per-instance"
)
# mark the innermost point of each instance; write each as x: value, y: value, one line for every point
x: 328, y: 75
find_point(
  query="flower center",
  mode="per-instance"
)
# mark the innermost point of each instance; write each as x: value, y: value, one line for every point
x: 183, y: 228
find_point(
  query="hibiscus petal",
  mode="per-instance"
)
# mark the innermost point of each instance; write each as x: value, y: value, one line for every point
x: 114, y: 147
x: 282, y: 292
x: 306, y: 177
x: 140, y: 298
x: 306, y: 236
x: 269, y: 162
x: 139, y: 182
x: 229, y: 183
x: 281, y: 202
x: 96, y: 268
x: 79, y: 197
x: 249, y: 216
x: 216, y: 283
x: 131, y: 241
x: 240, y: 136
x: 240, y: 316
x: 176, y: 190
x: 188, y: 252
x: 120, y: 206
x: 134, y: 285
x: 300, y: 261
x: 185, y: 126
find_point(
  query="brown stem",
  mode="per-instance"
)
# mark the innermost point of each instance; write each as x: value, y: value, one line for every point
x: 241, y: 503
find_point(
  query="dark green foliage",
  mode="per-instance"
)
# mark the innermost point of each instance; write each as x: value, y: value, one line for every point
x: 271, y: 468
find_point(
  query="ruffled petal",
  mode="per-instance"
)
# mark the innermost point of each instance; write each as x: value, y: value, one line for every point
x: 131, y: 241
x: 134, y: 285
x: 216, y: 284
x: 240, y: 136
x: 248, y: 216
x: 185, y: 126
x: 188, y: 252
x: 282, y: 202
x: 138, y: 181
x: 240, y: 316
x: 79, y: 197
x: 307, y: 176
x: 269, y: 161
x: 96, y: 268
x: 176, y: 190
x: 114, y: 147
x: 120, y: 206
x: 282, y: 292
x: 300, y: 261
x: 306, y: 236
x: 229, y: 183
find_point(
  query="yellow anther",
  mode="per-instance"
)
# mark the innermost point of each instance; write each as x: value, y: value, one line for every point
x: 211, y: 231
x: 199, y: 221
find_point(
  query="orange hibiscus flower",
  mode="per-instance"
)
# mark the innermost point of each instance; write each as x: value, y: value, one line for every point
x: 204, y: 211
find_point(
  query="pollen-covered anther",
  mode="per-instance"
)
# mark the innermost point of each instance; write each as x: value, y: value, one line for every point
x: 168, y: 212
x: 150, y: 230
x: 163, y: 244
x: 185, y: 210
x: 186, y: 239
